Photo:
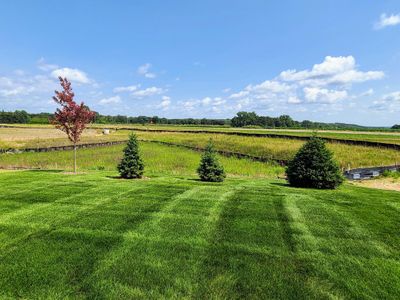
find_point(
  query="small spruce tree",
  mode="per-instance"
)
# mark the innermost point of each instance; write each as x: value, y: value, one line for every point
x: 210, y: 169
x: 131, y: 165
x: 314, y: 167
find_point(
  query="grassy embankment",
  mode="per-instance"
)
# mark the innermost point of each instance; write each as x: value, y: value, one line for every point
x: 272, y: 148
x: 159, y: 159
x: 390, y: 137
x: 279, y: 148
x: 95, y: 236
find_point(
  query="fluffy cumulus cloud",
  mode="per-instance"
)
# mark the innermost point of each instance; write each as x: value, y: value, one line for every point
x: 315, y: 95
x: 341, y: 70
x: 151, y: 91
x: 74, y: 75
x: 165, y: 103
x: 32, y: 90
x: 208, y: 104
x: 144, y: 70
x: 387, y: 20
x: 110, y: 100
x: 24, y: 85
x: 135, y: 91
x: 328, y: 82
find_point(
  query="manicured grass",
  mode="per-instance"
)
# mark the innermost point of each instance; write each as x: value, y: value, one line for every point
x: 159, y: 159
x: 96, y: 236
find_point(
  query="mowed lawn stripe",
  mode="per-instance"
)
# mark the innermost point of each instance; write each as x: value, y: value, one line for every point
x: 68, y: 285
x: 169, y: 237
x: 174, y: 239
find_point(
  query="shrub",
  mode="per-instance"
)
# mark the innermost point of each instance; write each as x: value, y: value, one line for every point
x: 314, y: 167
x: 131, y: 165
x: 210, y: 169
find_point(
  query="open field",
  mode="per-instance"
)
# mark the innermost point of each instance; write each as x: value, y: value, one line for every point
x: 28, y: 137
x: 94, y: 236
x: 270, y: 148
x: 390, y: 137
x: 159, y: 159
x: 278, y: 148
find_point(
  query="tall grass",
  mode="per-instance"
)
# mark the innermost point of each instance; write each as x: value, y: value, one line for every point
x: 159, y: 159
x: 278, y: 148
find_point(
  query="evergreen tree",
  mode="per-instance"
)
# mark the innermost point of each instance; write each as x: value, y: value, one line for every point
x: 131, y: 165
x: 210, y: 169
x: 314, y: 167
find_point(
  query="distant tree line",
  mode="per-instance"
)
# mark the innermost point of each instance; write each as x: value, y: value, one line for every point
x: 120, y: 119
x: 242, y: 119
x: 18, y: 116
x: 251, y: 119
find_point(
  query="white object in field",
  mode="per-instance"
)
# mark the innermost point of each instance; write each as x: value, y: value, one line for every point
x: 106, y: 131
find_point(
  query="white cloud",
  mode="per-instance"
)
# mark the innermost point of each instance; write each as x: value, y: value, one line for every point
x: 24, y: 85
x: 269, y: 86
x: 42, y: 65
x: 165, y: 103
x: 389, y: 102
x: 294, y: 100
x: 74, y: 75
x: 339, y: 70
x: 130, y: 88
x: 145, y: 71
x: 209, y: 104
x: 387, y: 20
x: 240, y: 94
x: 317, y: 95
x: 368, y: 92
x: 151, y: 91
x: 110, y: 100
x: 328, y: 82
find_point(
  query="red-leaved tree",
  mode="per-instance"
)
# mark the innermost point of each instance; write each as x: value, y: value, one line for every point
x: 71, y: 118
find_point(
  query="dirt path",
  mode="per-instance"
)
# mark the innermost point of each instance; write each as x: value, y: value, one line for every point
x: 382, y: 183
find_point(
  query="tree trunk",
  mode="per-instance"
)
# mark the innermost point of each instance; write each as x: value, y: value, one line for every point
x: 75, y: 158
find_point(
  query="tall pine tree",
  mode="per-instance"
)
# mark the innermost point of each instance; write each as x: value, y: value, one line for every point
x: 131, y: 165
x: 210, y: 169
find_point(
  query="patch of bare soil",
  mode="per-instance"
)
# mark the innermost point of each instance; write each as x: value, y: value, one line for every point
x: 381, y: 183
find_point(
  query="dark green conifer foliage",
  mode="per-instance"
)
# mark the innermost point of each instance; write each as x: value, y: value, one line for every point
x: 210, y: 169
x: 314, y: 167
x: 131, y: 165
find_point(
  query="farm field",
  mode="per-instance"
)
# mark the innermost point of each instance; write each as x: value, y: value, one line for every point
x: 278, y: 148
x: 95, y: 236
x: 389, y: 137
x: 269, y: 148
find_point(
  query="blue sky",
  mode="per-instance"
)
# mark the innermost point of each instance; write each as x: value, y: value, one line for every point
x: 319, y: 60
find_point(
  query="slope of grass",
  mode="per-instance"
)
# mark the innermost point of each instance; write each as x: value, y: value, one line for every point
x: 95, y: 236
x: 278, y: 148
x: 271, y: 148
x: 388, y: 136
x: 159, y: 159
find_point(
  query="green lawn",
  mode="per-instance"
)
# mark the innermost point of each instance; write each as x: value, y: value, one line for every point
x: 97, y: 236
